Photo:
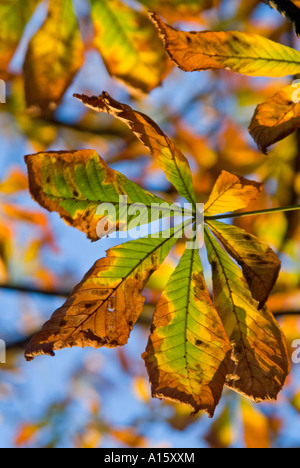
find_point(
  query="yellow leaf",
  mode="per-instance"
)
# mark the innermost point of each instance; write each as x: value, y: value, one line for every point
x: 256, y: 427
x: 231, y: 193
x: 14, y: 15
x: 15, y: 182
x: 54, y: 56
x: 129, y: 45
x: 276, y: 118
x: 245, y: 53
x: 220, y: 434
x: 178, y: 10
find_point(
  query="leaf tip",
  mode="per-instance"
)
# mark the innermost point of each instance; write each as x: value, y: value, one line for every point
x: 34, y: 350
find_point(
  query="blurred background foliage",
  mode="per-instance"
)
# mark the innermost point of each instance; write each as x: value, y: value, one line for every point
x: 48, y: 50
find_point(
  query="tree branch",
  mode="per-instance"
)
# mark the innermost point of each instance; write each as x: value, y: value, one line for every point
x: 143, y: 320
x: 289, y: 10
x: 33, y: 290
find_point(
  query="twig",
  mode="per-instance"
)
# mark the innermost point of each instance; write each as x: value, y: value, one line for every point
x: 33, y: 290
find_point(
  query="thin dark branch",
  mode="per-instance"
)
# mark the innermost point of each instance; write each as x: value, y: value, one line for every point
x: 34, y: 290
x: 289, y: 10
x: 67, y: 293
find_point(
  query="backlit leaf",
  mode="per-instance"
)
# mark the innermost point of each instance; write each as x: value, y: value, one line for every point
x: 15, y: 182
x: 168, y: 156
x: 231, y: 193
x: 75, y: 183
x: 259, y: 262
x: 220, y: 434
x: 276, y: 118
x: 54, y: 56
x: 178, y: 9
x: 259, y: 360
x: 245, y: 53
x: 257, y: 433
x: 128, y: 44
x: 14, y: 15
x: 104, y: 307
x: 188, y: 352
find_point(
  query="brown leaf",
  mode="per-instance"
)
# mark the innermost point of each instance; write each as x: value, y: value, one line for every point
x: 259, y: 262
x: 106, y: 304
x: 260, y: 362
x: 241, y: 52
x: 276, y: 118
x: 169, y: 157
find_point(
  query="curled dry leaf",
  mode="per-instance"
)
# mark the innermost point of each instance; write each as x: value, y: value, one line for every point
x: 188, y: 352
x: 260, y: 362
x: 245, y: 53
x: 276, y: 118
x: 168, y: 156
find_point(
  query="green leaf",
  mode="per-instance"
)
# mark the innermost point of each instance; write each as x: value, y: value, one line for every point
x: 75, y: 184
x: 188, y: 352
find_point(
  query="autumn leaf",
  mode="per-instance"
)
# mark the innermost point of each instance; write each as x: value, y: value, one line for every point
x: 188, y: 352
x: 260, y: 361
x: 276, y: 118
x: 167, y: 155
x: 257, y: 432
x: 259, y: 262
x: 54, y: 56
x: 75, y: 183
x: 245, y: 53
x: 16, y: 181
x: 128, y: 44
x: 220, y: 434
x: 231, y: 193
x: 195, y: 346
x: 176, y: 10
x: 14, y: 16
x: 104, y: 307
